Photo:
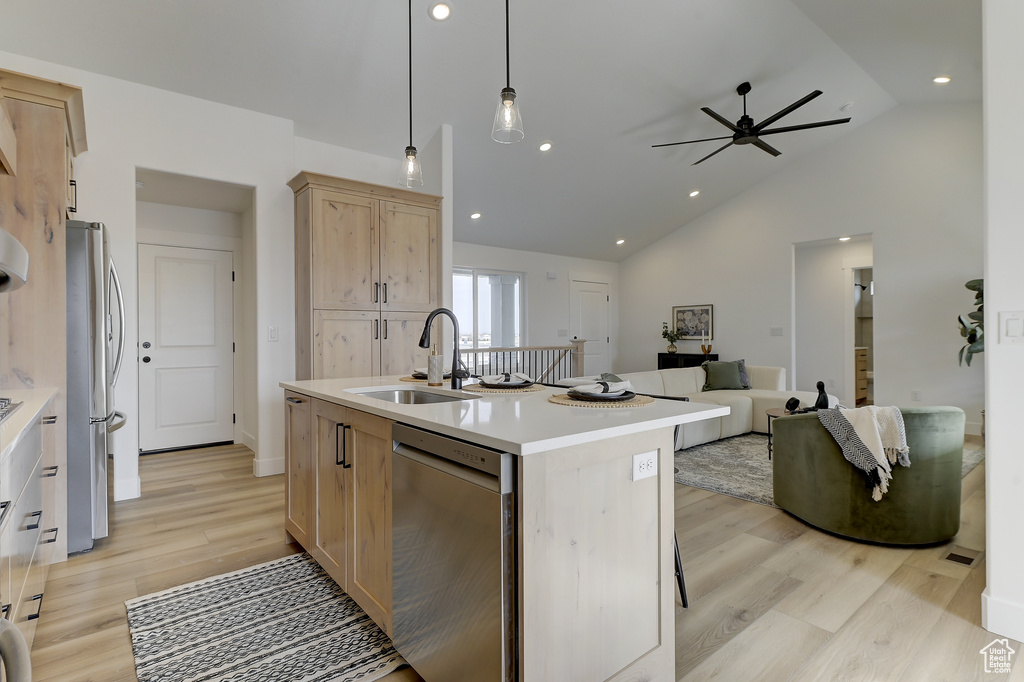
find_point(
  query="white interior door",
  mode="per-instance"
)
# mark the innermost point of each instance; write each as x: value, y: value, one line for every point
x: 589, y: 320
x: 185, y: 347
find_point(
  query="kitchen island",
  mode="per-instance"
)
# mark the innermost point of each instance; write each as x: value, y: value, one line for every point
x: 587, y: 584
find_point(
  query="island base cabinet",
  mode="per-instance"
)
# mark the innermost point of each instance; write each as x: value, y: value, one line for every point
x: 333, y: 482
x: 596, y: 572
x: 298, y: 468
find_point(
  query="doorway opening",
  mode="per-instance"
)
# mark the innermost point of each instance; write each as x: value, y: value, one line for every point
x: 863, y: 335
x: 196, y: 311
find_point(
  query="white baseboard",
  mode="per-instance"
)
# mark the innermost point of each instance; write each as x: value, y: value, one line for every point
x: 267, y: 467
x: 972, y: 428
x: 1001, y: 617
x: 249, y: 440
x: 127, y: 489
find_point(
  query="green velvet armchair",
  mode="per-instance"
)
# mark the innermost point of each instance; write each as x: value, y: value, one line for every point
x: 814, y: 482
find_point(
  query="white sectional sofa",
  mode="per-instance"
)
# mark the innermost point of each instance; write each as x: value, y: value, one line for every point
x: 746, y: 407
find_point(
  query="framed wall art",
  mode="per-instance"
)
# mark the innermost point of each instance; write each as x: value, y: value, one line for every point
x: 694, y: 322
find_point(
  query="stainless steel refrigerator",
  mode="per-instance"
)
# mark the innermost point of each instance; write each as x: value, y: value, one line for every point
x: 95, y: 306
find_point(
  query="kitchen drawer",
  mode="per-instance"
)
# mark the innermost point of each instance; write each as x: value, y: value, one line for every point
x: 22, y: 460
x: 28, y: 607
x: 25, y: 528
x: 862, y: 384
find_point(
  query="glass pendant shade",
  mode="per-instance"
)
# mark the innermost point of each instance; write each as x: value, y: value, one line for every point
x: 508, y: 123
x: 412, y: 172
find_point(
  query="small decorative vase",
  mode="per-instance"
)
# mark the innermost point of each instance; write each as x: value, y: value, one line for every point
x: 672, y: 348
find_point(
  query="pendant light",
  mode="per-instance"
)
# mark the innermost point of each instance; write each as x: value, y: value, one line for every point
x: 412, y: 172
x: 508, y: 124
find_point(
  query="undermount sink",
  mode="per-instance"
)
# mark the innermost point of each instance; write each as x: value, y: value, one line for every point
x: 414, y: 396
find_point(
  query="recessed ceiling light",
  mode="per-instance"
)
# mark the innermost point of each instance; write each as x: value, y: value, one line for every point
x: 439, y: 11
x: 844, y: 239
x: 941, y: 79
x: 474, y: 216
x: 694, y: 192
x: 546, y: 146
x: 621, y: 241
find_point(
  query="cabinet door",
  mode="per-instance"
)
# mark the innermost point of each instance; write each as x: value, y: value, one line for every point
x: 346, y: 255
x: 346, y: 344
x: 333, y: 473
x: 369, y: 578
x: 298, y: 467
x: 400, y: 352
x: 408, y: 257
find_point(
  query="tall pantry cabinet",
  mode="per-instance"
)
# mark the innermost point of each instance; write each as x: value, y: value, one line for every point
x: 367, y: 264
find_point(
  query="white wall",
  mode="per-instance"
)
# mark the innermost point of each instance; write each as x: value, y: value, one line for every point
x: 912, y: 178
x: 823, y: 314
x: 547, y: 300
x: 132, y: 126
x: 1003, y: 599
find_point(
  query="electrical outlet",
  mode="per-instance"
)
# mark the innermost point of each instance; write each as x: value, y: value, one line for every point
x: 273, y: 333
x: 645, y: 465
x: 915, y: 394
x: 775, y: 331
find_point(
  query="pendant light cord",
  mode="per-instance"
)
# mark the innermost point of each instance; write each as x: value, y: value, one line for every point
x: 410, y: 72
x: 508, y: 76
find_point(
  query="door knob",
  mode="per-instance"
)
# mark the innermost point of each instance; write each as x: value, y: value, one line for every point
x: 145, y: 358
x: 146, y: 344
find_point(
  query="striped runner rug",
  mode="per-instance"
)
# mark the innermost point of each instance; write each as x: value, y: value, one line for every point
x: 282, y: 621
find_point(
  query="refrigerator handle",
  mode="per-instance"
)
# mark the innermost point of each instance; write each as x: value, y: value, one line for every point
x: 120, y: 318
x: 114, y: 424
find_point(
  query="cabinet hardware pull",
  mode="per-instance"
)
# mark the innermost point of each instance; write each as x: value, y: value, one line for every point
x: 38, y: 515
x: 4, y: 610
x: 376, y: 292
x: 50, y: 419
x: 74, y: 186
x: 385, y: 292
x: 341, y: 446
x: 4, y: 508
x: 294, y: 401
x: 55, y: 532
x: 39, y: 607
x: 385, y: 329
x: 50, y: 472
x: 376, y: 329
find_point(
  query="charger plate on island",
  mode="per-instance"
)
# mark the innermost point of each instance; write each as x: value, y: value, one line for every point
x: 480, y: 388
x: 566, y: 399
x: 414, y: 380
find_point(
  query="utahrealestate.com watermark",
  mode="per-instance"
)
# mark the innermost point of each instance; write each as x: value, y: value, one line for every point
x: 998, y: 656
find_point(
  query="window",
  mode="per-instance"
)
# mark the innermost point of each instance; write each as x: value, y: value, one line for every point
x: 489, y: 306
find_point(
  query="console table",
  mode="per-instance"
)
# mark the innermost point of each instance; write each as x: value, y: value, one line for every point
x: 676, y: 360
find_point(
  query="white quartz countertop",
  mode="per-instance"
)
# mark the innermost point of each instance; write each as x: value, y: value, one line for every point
x: 519, y: 423
x: 11, y: 430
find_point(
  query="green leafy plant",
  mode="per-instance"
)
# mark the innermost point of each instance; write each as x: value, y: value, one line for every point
x: 972, y: 327
x: 672, y: 335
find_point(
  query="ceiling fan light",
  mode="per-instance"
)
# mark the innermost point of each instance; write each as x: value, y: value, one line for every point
x: 508, y: 122
x: 941, y: 79
x: 412, y: 172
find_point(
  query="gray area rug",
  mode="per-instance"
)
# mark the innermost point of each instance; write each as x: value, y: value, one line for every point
x: 284, y: 620
x: 739, y: 467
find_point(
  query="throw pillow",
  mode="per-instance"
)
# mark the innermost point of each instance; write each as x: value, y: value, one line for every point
x: 722, y: 376
x: 744, y: 377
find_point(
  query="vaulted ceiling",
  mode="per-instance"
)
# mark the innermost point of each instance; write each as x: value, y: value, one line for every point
x: 601, y: 81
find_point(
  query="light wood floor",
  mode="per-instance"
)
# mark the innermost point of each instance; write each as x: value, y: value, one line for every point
x: 770, y: 598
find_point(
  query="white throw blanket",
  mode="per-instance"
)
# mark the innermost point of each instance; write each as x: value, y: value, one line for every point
x: 878, y: 434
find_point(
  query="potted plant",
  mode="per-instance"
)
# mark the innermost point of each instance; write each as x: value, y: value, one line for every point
x: 972, y: 327
x: 672, y: 335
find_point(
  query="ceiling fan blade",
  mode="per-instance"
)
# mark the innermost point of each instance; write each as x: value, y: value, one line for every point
x: 804, y: 126
x: 761, y: 144
x: 731, y: 126
x: 711, y: 154
x: 706, y: 139
x: 795, y: 105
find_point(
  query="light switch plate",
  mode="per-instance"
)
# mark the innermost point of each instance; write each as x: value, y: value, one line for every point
x: 1011, y: 326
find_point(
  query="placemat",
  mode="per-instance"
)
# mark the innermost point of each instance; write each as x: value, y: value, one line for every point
x: 477, y: 388
x: 635, y: 401
x: 414, y: 379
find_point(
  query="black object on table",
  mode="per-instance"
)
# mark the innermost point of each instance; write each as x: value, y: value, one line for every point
x: 676, y: 360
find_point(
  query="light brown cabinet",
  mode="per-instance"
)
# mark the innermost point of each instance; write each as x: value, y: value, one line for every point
x: 338, y: 497
x: 860, y: 359
x: 367, y: 265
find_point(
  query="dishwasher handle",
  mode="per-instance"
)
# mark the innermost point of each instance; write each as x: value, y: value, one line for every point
x: 463, y: 473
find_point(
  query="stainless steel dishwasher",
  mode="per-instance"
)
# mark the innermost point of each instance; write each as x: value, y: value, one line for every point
x: 453, y: 558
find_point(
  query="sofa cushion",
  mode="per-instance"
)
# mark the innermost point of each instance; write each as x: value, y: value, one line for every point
x: 682, y: 380
x: 698, y: 433
x: 722, y: 376
x: 646, y: 382
x: 768, y: 378
x: 739, y: 420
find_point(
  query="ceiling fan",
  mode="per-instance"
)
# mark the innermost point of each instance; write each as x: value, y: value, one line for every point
x: 745, y: 131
